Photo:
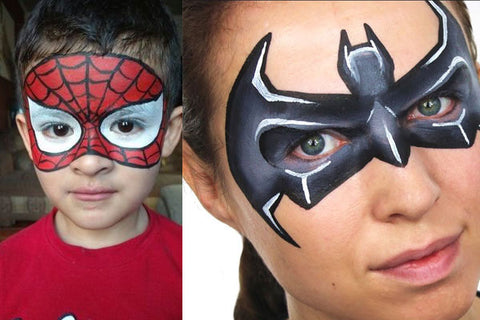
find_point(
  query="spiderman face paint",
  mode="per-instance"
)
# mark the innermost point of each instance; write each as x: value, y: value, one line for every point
x: 111, y: 106
x: 306, y: 145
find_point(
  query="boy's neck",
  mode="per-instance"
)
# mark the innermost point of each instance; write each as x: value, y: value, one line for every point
x: 126, y: 229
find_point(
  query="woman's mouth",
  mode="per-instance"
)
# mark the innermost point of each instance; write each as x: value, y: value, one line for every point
x: 423, y: 266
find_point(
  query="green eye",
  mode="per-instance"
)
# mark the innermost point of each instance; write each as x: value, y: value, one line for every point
x: 430, y: 106
x: 314, y: 145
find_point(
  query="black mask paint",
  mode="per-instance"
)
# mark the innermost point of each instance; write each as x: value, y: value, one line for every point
x: 264, y: 124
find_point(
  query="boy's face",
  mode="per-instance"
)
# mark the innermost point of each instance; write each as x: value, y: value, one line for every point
x: 95, y: 128
x: 78, y: 104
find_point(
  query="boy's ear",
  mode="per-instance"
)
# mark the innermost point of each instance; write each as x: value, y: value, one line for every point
x: 173, y: 133
x: 201, y: 179
x: 23, y: 130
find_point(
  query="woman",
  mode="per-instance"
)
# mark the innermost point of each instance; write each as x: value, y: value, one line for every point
x: 344, y: 157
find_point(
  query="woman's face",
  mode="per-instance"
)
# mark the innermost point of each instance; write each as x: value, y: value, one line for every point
x: 357, y: 243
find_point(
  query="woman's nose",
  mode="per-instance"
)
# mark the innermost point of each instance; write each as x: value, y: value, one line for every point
x: 91, y: 165
x: 403, y: 193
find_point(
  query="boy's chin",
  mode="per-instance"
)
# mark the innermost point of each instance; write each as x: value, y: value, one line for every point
x: 100, y: 225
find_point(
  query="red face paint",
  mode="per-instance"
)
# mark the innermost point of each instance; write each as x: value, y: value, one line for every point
x: 111, y: 106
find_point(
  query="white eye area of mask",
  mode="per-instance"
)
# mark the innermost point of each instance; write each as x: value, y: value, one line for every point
x: 134, y: 126
x: 56, y: 131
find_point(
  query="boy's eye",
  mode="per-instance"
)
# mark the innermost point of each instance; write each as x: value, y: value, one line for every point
x: 317, y: 146
x: 57, y: 130
x: 432, y: 108
x: 125, y: 126
x: 133, y: 126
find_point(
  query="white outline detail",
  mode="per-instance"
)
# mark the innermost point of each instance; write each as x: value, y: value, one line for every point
x: 380, y: 60
x: 304, y: 176
x: 451, y: 68
x: 445, y: 33
x: 385, y: 107
x: 390, y: 111
x: 266, y: 209
x: 257, y: 82
x: 392, y: 144
x: 457, y: 123
x: 371, y: 114
x: 346, y: 54
x: 282, y: 123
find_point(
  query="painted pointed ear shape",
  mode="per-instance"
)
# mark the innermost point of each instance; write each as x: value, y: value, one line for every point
x: 201, y: 179
x: 366, y: 68
x: 388, y: 65
x: 344, y: 48
x: 344, y: 43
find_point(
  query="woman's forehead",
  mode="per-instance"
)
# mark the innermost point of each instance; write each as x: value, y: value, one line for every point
x: 306, y: 36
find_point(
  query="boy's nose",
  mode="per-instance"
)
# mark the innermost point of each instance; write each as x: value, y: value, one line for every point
x: 91, y: 165
x: 402, y: 193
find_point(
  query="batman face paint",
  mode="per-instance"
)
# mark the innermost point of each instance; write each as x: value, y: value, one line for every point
x: 303, y: 146
x: 111, y: 106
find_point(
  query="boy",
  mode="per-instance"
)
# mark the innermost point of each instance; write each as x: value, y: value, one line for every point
x: 100, y: 80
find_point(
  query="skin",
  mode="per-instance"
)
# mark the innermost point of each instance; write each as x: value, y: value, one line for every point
x: 378, y: 213
x: 107, y: 222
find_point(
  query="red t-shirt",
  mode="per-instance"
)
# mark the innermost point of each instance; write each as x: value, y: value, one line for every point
x: 41, y: 277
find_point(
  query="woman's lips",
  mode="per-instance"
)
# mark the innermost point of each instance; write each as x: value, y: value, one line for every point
x: 423, y: 266
x: 95, y: 194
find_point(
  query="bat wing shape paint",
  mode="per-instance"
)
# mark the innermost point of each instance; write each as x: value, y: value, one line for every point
x: 264, y: 124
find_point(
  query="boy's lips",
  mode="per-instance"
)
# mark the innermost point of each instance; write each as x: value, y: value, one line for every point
x: 424, y: 265
x: 92, y: 194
